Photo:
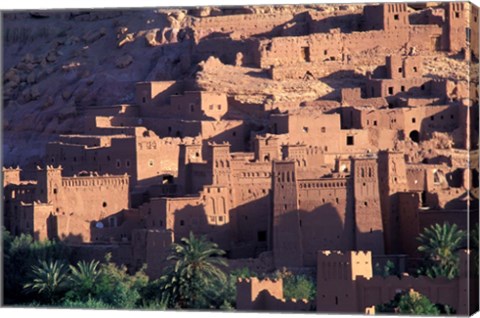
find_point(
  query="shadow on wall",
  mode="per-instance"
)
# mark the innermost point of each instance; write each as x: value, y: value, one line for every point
x: 337, y: 81
x: 302, y: 233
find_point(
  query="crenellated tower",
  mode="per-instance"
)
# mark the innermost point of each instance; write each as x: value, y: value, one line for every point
x: 287, y: 240
x: 367, y: 208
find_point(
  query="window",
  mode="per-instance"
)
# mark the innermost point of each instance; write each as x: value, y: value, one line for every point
x: 325, y: 52
x: 323, y: 129
x: 399, y: 70
x: 349, y: 140
x: 415, y: 69
x: 422, y: 87
x: 118, y: 163
x: 104, y: 204
x: 374, y: 123
x: 144, y: 100
x: 192, y: 108
x: 127, y: 163
x: 182, y: 222
x: 262, y: 236
x: 432, y: 118
x: 457, y: 14
x: 402, y: 88
x: 468, y: 33
x: 306, y: 54
x: 150, y: 162
x: 396, y: 17
x: 390, y: 90
x: 211, y: 107
x: 305, y: 129
x: 414, y: 120
x: 219, y: 107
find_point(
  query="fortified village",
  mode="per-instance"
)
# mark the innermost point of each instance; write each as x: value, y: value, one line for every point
x: 307, y: 138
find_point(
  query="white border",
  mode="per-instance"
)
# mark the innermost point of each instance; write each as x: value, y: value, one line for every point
x: 55, y: 4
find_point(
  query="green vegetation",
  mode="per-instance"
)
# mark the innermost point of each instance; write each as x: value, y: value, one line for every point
x: 387, y: 270
x: 440, y: 245
x: 411, y: 303
x: 20, y: 254
x: 299, y: 287
x: 474, y: 246
x: 42, y: 274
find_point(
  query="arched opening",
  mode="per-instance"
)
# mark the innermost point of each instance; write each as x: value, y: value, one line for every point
x: 414, y: 136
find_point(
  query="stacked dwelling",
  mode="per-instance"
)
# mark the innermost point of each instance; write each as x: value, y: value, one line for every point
x: 366, y: 168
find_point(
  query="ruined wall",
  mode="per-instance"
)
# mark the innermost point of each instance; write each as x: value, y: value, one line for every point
x: 245, y: 25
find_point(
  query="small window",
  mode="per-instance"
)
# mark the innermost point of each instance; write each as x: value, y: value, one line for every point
x: 432, y: 118
x: 150, y: 162
x: 400, y: 70
x: 415, y: 69
x: 422, y: 87
x: 262, y: 236
x: 220, y: 219
x: 374, y: 123
x: 144, y: 100
x: 127, y: 163
x: 219, y: 107
x: 349, y: 140
x: 211, y: 107
x: 402, y: 88
x: 325, y: 52
x: 390, y: 90
x: 457, y: 14
x: 414, y: 120
x: 323, y: 129
x: 192, y: 108
x: 451, y: 116
x: 396, y: 17
x: 118, y: 163
x: 108, y: 158
x: 104, y: 204
x: 305, y: 129
x: 182, y: 222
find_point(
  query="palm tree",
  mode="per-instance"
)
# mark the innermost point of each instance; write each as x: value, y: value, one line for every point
x: 415, y: 303
x: 83, y: 279
x: 194, y: 276
x: 440, y: 244
x: 49, y: 280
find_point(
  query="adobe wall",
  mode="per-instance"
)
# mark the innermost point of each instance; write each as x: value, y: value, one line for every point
x: 266, y: 295
x: 151, y: 247
x: 335, y: 46
x: 345, y: 284
x: 199, y: 105
x: 326, y: 216
x: 337, y: 274
x: 73, y: 214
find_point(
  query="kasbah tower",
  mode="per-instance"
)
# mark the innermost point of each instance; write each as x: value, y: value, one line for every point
x: 320, y: 138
